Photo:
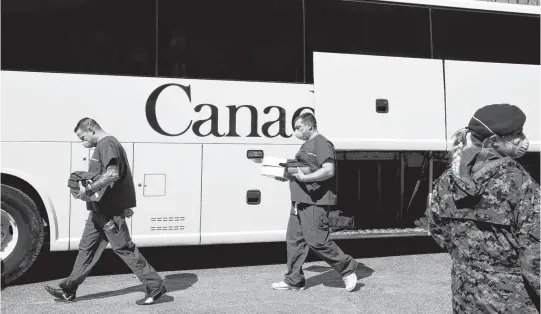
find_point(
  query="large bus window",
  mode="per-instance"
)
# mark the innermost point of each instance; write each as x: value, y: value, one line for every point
x: 365, y: 28
x: 231, y: 40
x: 83, y: 36
x: 485, y: 36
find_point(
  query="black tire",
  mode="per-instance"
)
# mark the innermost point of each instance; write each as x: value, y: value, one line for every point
x: 31, y: 233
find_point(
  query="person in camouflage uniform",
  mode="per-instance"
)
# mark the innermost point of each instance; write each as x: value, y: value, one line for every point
x: 484, y: 210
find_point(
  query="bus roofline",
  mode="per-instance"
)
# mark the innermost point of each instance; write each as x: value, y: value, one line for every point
x: 473, y: 5
x: 55, y: 245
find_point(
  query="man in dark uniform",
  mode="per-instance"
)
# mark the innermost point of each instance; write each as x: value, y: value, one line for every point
x: 308, y: 226
x: 106, y: 219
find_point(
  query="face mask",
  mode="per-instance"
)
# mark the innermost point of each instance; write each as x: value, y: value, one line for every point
x: 520, y: 149
x: 303, y: 133
x: 298, y: 134
x: 508, y: 148
x: 87, y: 144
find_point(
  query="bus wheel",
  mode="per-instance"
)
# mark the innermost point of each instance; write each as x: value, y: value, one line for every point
x: 22, y: 233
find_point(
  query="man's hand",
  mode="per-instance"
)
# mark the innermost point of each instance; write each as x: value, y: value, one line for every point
x: 82, y: 193
x: 300, y: 176
x: 288, y: 177
x: 128, y: 212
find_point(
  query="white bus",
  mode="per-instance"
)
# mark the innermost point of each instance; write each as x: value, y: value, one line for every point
x: 199, y: 90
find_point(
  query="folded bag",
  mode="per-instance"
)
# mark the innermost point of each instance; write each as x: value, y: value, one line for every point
x: 307, y: 164
x: 84, y: 177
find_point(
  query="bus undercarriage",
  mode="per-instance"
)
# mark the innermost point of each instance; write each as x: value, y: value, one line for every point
x: 385, y: 194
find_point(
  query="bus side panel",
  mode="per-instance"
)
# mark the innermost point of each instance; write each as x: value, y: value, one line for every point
x: 472, y: 85
x: 80, y: 157
x: 228, y: 175
x: 49, y: 165
x: 152, y: 110
x: 167, y: 181
x: 380, y: 103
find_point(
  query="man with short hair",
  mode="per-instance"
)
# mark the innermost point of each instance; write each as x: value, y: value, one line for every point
x: 308, y: 226
x: 109, y: 159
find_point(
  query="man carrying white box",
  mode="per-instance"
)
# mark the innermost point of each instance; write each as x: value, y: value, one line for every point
x: 312, y: 195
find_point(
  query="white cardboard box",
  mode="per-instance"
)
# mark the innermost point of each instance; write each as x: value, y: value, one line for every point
x: 271, y: 167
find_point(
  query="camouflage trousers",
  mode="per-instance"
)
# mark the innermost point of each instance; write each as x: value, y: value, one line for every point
x: 479, y: 291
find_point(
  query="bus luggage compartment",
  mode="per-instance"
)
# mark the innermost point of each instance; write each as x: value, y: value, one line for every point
x: 385, y: 193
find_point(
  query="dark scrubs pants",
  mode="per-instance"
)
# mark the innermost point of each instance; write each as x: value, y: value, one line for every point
x: 94, y: 241
x: 309, y: 229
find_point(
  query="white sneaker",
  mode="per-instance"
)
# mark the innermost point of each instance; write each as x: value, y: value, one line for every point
x: 350, y: 281
x: 284, y: 286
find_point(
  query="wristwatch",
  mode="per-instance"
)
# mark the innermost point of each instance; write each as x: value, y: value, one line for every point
x: 88, y: 191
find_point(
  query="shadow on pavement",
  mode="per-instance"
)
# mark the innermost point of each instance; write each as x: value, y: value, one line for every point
x: 174, y: 282
x: 331, y: 278
x: 53, y: 266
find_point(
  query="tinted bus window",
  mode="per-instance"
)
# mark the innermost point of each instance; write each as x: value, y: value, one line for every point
x: 83, y: 36
x: 365, y: 28
x: 485, y: 36
x: 232, y: 40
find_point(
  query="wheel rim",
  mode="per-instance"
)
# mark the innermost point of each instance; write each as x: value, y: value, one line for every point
x: 10, y: 234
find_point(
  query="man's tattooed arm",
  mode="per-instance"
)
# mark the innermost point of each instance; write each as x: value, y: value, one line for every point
x: 109, y: 177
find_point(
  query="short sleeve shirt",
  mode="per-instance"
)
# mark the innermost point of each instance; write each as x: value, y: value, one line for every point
x: 323, y: 151
x: 122, y: 195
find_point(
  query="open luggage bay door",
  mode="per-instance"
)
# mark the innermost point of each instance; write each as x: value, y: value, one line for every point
x: 380, y: 103
x: 472, y: 85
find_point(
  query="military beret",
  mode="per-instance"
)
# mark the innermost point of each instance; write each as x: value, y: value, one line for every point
x: 499, y: 119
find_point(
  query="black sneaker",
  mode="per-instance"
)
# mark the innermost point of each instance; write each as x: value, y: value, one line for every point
x: 60, y: 295
x: 148, y: 300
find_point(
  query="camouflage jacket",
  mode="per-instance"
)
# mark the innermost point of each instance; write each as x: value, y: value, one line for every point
x: 487, y: 217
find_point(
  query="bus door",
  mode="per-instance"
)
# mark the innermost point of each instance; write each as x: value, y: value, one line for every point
x: 378, y: 111
x: 240, y: 205
x: 377, y: 103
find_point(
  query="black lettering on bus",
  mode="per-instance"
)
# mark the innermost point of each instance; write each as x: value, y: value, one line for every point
x: 152, y: 118
x: 214, y: 118
x: 281, y: 123
x: 233, y: 121
x: 150, y: 109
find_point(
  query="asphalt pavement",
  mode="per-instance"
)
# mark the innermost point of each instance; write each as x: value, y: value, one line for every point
x: 418, y: 283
